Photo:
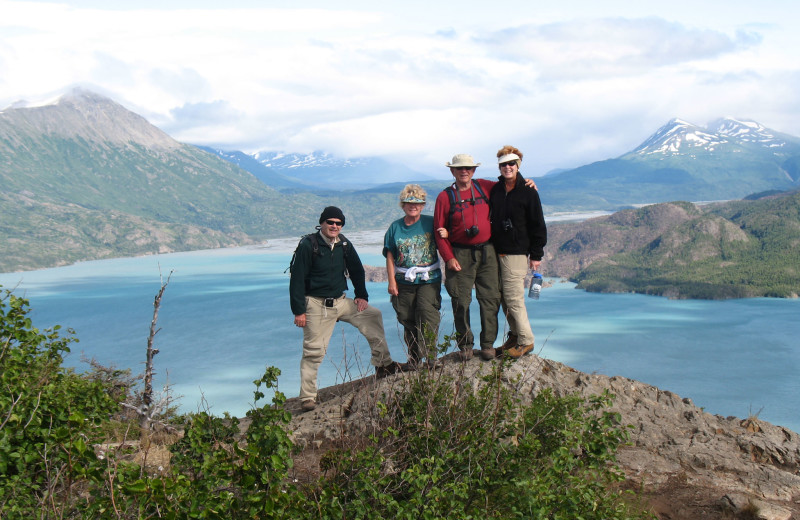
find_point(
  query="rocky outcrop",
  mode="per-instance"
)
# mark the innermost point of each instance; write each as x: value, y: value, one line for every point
x: 738, y: 464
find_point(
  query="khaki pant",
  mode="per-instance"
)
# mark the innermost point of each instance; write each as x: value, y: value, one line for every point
x: 479, y: 270
x: 320, y: 321
x: 513, y: 269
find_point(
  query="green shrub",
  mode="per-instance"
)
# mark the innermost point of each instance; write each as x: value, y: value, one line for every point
x: 49, y: 417
x: 214, y: 474
x: 449, y: 447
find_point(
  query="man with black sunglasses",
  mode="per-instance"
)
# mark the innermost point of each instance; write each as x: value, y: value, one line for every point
x: 317, y: 295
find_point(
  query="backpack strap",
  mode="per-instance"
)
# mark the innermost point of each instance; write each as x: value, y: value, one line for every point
x: 311, y: 237
x: 453, y: 195
x: 480, y: 191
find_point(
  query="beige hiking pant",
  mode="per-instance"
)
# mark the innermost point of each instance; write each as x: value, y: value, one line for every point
x: 513, y: 269
x: 320, y: 321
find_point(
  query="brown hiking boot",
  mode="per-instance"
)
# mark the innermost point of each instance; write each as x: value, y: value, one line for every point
x: 511, y: 341
x: 488, y: 354
x: 465, y: 354
x: 518, y: 351
x: 308, y: 405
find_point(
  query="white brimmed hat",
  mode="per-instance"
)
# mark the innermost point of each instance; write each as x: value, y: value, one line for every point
x: 462, y: 160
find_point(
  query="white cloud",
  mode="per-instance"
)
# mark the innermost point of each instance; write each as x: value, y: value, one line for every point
x: 420, y: 81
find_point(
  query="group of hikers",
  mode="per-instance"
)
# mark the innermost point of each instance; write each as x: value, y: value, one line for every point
x: 487, y: 233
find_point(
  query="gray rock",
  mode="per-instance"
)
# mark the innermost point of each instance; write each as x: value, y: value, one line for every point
x: 744, y: 460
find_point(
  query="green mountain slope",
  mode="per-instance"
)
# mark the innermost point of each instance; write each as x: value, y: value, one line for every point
x: 731, y: 250
x: 87, y: 179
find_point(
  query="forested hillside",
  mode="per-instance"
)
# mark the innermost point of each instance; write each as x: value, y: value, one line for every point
x: 681, y: 250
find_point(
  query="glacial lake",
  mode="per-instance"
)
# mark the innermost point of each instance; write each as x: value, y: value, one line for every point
x: 225, y: 317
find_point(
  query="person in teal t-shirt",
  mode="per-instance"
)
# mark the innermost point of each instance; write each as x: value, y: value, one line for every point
x: 415, y: 279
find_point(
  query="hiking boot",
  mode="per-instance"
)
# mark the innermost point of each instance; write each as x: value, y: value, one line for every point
x: 392, y: 368
x: 488, y: 354
x: 308, y: 405
x: 510, y: 342
x: 465, y: 354
x: 518, y: 351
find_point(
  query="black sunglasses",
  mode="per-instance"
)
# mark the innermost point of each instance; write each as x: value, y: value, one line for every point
x: 509, y: 163
x: 463, y: 167
x: 333, y: 223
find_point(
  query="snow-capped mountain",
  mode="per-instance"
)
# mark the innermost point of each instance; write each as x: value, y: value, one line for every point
x: 286, y: 161
x: 728, y: 159
x: 748, y: 131
x: 679, y: 137
x: 320, y: 170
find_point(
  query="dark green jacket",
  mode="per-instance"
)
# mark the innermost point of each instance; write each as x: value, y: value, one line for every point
x: 322, y: 274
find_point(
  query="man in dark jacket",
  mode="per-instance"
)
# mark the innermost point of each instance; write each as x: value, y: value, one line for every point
x: 316, y: 292
x: 519, y: 235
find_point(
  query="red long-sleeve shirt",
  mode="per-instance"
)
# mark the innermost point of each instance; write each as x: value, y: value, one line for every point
x: 475, y: 213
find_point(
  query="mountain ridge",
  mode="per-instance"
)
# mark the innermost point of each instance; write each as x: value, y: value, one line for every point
x: 683, y: 161
x: 87, y: 179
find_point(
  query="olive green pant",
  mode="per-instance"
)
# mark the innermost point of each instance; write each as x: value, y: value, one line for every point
x: 479, y: 270
x: 417, y: 307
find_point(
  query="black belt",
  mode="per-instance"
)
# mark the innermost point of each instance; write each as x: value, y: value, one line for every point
x: 474, y: 247
x: 330, y: 302
x: 470, y: 246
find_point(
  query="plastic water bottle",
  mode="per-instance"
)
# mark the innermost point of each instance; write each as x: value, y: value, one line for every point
x: 536, y: 286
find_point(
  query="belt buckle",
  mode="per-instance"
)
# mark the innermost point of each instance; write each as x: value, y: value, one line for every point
x: 329, y: 302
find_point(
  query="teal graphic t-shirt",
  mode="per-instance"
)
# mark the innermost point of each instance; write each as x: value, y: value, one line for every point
x: 412, y: 246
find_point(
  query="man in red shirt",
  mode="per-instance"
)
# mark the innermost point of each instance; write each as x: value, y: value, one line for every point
x: 463, y: 210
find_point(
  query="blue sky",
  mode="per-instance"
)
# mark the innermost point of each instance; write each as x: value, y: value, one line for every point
x: 415, y: 81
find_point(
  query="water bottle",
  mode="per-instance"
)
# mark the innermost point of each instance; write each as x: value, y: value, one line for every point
x: 536, y: 286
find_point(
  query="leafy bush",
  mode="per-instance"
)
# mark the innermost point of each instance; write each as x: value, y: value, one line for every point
x: 448, y: 447
x: 213, y: 473
x: 49, y: 417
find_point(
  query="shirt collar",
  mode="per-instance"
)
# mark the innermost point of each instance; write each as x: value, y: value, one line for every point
x: 328, y: 240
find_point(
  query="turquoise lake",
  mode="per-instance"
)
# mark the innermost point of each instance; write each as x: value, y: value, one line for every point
x: 225, y: 317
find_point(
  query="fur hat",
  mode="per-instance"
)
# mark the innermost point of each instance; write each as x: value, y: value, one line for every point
x: 331, y: 212
x: 462, y: 160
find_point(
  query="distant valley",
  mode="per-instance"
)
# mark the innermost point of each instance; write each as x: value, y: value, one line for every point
x: 85, y: 179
